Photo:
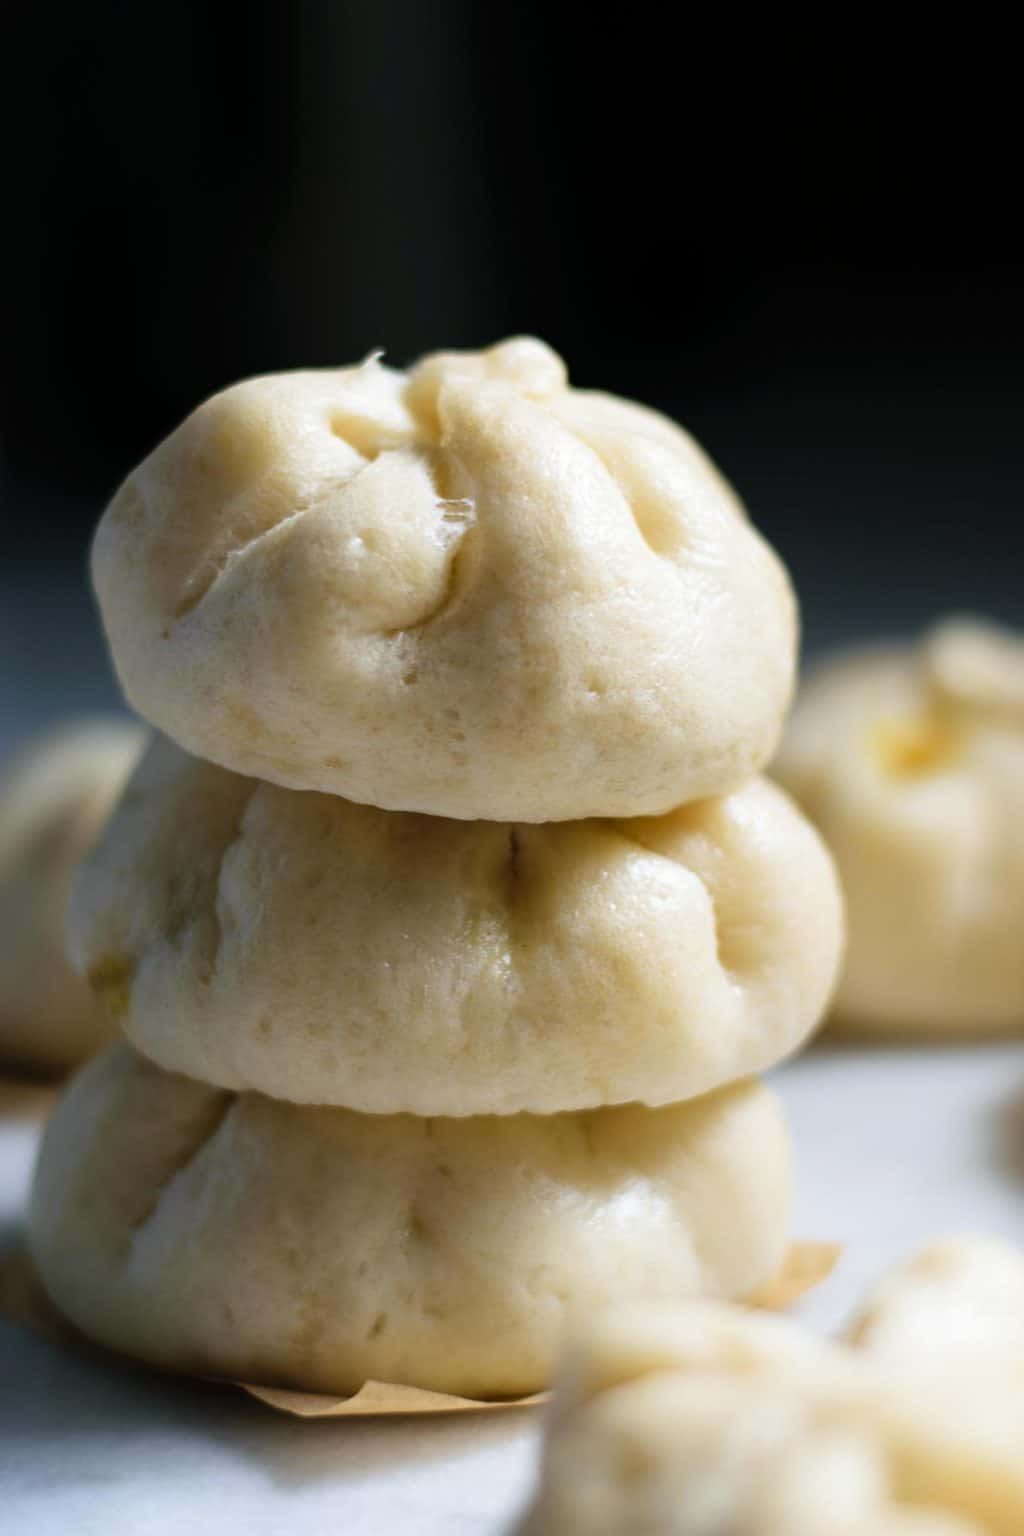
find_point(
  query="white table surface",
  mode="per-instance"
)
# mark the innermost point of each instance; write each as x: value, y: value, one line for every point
x: 894, y: 1146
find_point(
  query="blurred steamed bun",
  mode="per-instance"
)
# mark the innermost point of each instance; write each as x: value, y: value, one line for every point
x: 54, y: 797
x: 911, y: 764
x: 239, y: 1236
x: 704, y: 1420
x: 311, y: 948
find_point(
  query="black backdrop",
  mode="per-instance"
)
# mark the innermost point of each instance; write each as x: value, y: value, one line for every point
x: 803, y: 242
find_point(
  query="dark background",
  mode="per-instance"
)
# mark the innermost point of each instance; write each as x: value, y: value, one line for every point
x: 802, y: 239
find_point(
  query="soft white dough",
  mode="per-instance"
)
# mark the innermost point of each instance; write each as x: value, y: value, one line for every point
x: 911, y: 764
x: 242, y: 1237
x: 704, y: 1420
x: 54, y: 797
x: 466, y: 590
x: 327, y: 952
x: 957, y: 1299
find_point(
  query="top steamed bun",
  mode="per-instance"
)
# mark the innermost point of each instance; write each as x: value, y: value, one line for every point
x: 466, y: 590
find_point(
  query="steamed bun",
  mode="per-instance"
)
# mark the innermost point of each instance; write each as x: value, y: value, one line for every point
x: 703, y: 1420
x: 54, y: 797
x: 960, y: 1299
x: 311, y: 948
x: 466, y: 590
x: 911, y: 763
x: 239, y: 1236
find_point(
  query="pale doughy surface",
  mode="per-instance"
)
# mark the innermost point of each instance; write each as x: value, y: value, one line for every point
x: 54, y: 797
x: 466, y: 590
x: 911, y: 764
x: 703, y: 1420
x: 244, y: 1237
x: 256, y: 937
x: 959, y: 1299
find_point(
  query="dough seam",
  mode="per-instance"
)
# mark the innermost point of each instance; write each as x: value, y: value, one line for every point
x: 223, y: 1103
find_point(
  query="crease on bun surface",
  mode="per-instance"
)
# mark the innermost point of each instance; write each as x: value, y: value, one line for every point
x: 311, y: 948
x: 910, y: 761
x: 238, y: 1236
x: 704, y: 1420
x: 54, y: 796
x: 466, y: 590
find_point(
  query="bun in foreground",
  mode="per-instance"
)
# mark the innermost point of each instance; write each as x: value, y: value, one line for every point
x: 911, y: 764
x: 54, y: 797
x: 705, y: 1420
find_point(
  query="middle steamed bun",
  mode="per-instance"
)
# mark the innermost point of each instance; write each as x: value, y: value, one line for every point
x: 325, y: 952
x: 466, y: 590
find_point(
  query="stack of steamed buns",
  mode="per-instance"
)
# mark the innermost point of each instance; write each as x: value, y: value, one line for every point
x: 448, y: 920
